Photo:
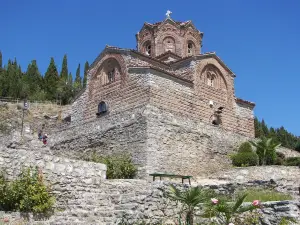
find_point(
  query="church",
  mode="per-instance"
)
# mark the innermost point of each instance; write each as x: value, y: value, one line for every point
x: 169, y: 105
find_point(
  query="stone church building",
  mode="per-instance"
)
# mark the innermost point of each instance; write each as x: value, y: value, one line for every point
x: 172, y: 107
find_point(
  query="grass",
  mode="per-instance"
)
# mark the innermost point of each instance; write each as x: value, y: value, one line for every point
x: 264, y: 195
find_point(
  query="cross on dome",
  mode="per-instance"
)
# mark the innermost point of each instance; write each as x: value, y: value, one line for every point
x: 168, y: 13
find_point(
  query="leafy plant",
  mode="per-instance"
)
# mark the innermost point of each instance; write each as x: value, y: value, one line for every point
x: 27, y: 193
x: 190, y: 199
x: 118, y: 166
x: 266, y: 151
x: 245, y: 159
x: 292, y: 161
x: 223, y: 212
x: 245, y: 147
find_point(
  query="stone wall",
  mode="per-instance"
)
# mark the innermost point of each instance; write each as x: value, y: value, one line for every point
x: 136, y: 201
x: 183, y: 146
x: 64, y: 175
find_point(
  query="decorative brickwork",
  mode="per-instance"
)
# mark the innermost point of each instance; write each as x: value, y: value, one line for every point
x: 166, y: 80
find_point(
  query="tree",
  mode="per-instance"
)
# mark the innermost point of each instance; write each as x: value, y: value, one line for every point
x: 266, y: 150
x: 258, y: 128
x: 51, y: 80
x: 0, y: 60
x: 77, y: 82
x: 86, y: 67
x: 33, y: 79
x: 64, y: 69
x: 297, y: 148
x: 190, y: 199
x: 70, y: 79
x: 264, y: 128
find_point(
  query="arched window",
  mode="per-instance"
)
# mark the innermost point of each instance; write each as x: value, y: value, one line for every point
x: 109, y: 71
x: 148, y: 48
x: 211, y: 79
x: 111, y: 75
x: 102, y: 108
x: 190, y: 48
x: 169, y: 44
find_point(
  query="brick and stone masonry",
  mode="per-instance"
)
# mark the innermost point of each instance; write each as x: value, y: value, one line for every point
x: 169, y: 105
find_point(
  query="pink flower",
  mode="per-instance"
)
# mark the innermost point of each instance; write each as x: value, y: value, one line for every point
x: 256, y: 203
x: 5, y: 220
x: 214, y: 201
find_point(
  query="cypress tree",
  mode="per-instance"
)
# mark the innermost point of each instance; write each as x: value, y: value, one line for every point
x: 77, y: 82
x: 70, y: 79
x: 264, y: 128
x: 33, y: 78
x: 0, y: 60
x: 51, y: 80
x: 64, y: 69
x: 86, y: 67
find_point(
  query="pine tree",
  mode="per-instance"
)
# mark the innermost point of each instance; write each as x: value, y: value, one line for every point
x: 51, y: 80
x: 86, y: 67
x: 64, y: 69
x: 14, y: 79
x: 77, y: 82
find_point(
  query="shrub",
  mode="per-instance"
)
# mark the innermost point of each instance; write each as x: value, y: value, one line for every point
x: 118, y: 166
x: 280, y: 158
x: 266, y: 151
x: 245, y: 147
x: 297, y: 148
x: 27, y: 193
x: 245, y: 159
x: 292, y: 161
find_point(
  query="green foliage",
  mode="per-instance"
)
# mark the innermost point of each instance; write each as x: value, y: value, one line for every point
x: 190, y: 199
x: 280, y: 158
x: 0, y: 60
x: 27, y: 193
x: 297, y: 148
x: 33, y: 86
x: 279, y: 135
x: 51, y: 80
x: 64, y: 69
x: 225, y: 212
x: 86, y: 68
x: 263, y: 195
x: 245, y: 159
x: 266, y: 151
x: 118, y: 166
x: 245, y: 147
x: 292, y: 161
x: 77, y: 82
x: 287, y: 221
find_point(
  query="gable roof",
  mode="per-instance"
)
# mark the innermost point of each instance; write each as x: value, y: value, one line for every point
x: 168, y: 54
x: 203, y: 56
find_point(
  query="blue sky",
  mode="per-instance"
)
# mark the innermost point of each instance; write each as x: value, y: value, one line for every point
x: 258, y: 40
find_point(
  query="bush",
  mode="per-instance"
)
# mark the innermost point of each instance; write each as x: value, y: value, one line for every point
x: 279, y: 158
x: 292, y: 161
x: 245, y: 159
x: 27, y: 193
x: 245, y: 147
x: 297, y: 148
x: 118, y: 166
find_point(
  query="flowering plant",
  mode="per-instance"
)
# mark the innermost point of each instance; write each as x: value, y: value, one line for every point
x: 224, y: 212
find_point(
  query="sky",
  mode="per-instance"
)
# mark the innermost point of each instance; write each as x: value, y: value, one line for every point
x: 258, y: 40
